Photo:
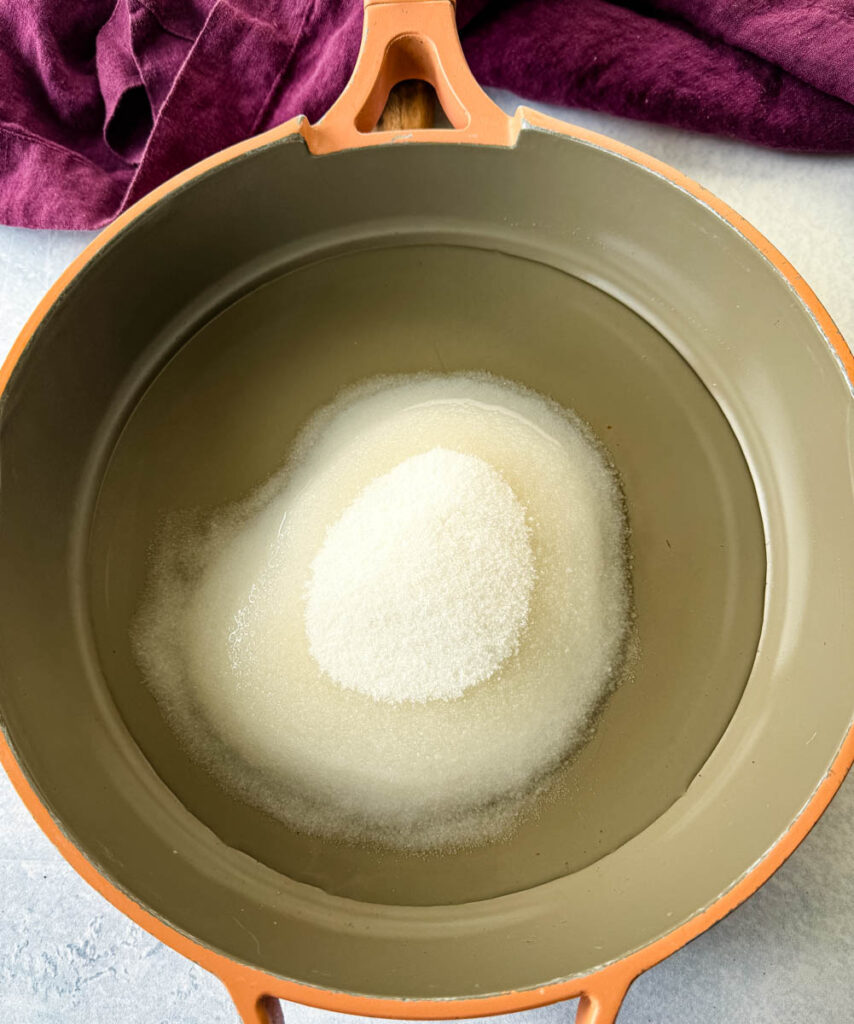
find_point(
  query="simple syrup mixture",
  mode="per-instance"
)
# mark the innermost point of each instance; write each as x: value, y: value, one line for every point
x: 405, y: 630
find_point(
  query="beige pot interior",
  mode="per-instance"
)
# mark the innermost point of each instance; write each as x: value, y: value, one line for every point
x: 177, y: 368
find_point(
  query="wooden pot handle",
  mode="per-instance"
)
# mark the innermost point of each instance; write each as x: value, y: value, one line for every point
x: 405, y: 40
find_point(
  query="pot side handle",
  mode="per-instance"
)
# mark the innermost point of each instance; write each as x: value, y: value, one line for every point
x: 404, y: 40
x: 254, y: 1008
x: 600, y: 1001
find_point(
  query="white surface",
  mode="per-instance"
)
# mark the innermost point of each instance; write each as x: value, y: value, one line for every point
x: 787, y: 955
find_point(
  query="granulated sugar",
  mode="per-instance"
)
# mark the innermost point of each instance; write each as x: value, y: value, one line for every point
x: 421, y: 588
x: 407, y: 628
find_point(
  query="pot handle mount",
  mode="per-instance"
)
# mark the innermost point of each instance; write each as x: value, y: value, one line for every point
x: 404, y: 40
x: 601, y: 996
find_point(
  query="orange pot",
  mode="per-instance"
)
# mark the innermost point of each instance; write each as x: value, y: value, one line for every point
x: 217, y: 313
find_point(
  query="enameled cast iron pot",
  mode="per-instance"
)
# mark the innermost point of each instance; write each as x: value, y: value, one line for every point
x: 173, y: 362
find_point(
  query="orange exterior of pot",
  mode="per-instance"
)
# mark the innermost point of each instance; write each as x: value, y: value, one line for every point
x: 418, y: 39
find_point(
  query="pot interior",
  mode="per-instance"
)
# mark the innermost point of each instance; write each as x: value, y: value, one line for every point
x: 219, y: 419
x: 175, y: 370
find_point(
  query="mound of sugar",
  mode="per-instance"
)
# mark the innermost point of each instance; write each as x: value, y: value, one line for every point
x: 422, y: 587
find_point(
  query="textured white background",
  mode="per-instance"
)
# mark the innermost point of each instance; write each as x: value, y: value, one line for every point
x: 68, y: 957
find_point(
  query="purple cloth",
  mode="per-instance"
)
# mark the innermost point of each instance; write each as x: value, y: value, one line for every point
x: 101, y: 100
